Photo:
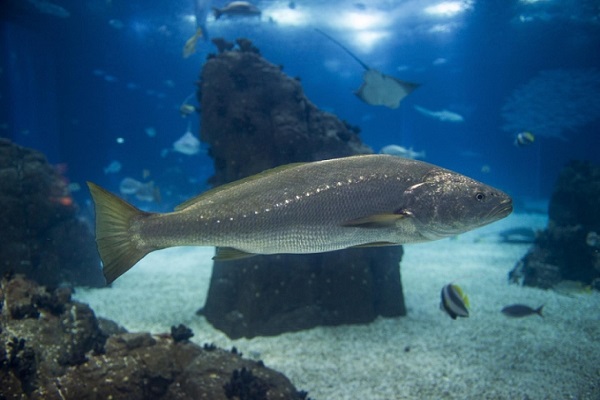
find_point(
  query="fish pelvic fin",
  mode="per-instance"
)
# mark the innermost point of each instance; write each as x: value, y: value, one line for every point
x: 230, y: 253
x: 113, y: 219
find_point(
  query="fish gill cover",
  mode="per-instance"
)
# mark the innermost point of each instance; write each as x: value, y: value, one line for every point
x: 554, y: 103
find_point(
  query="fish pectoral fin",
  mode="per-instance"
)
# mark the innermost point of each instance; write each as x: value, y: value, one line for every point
x: 230, y: 253
x: 374, y: 244
x: 375, y: 221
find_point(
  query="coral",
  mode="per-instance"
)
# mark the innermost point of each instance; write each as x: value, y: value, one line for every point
x: 554, y: 103
x: 561, y: 251
x: 68, y: 355
x: 245, y: 386
x: 181, y: 333
x: 41, y: 235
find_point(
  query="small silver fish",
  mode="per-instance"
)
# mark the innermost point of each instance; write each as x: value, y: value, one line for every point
x: 237, y: 8
x: 454, y: 302
x: 521, y: 310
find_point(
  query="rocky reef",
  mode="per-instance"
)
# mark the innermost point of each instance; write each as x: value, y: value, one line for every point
x: 569, y: 247
x: 255, y: 117
x: 52, y: 347
x: 41, y: 235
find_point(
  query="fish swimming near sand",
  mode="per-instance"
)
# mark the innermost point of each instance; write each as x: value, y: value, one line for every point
x: 358, y: 201
x: 521, y: 310
x: 454, y: 302
x: 378, y: 89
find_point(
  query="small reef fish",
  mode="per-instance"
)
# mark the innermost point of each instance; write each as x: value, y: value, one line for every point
x: 523, y: 139
x: 150, y: 131
x: 521, y: 310
x: 399, y: 151
x: 186, y: 108
x: 142, y: 191
x: 237, y: 8
x: 592, y: 239
x: 188, y: 144
x: 571, y: 288
x: 112, y: 168
x: 454, y: 302
x: 190, y: 45
x: 443, y: 115
x: 369, y: 200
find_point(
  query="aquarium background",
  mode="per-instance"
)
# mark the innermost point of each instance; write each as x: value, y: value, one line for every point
x: 97, y: 81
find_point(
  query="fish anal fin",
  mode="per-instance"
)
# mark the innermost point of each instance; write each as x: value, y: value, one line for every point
x: 230, y: 253
x: 375, y: 221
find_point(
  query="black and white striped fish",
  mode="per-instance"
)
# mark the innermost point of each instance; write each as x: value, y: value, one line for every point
x: 454, y: 302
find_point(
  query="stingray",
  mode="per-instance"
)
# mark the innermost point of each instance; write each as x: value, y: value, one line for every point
x: 378, y: 89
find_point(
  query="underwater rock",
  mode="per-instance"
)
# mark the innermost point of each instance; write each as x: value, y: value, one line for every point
x: 254, y: 117
x: 41, y: 235
x: 564, y: 251
x: 66, y: 355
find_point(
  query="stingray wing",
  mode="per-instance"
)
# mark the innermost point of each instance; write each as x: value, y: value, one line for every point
x: 379, y: 89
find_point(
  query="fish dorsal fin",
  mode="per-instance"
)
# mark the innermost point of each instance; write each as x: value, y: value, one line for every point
x: 376, y: 221
x: 230, y: 253
x: 226, y: 186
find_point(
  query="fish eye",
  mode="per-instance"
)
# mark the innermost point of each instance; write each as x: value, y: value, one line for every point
x: 480, y: 196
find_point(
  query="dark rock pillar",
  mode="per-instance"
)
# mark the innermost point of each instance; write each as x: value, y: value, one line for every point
x: 255, y: 117
x: 40, y: 234
x: 569, y: 247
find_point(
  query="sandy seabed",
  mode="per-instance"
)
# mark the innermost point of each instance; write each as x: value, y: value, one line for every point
x: 425, y: 355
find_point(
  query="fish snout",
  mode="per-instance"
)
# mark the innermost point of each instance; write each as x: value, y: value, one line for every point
x: 504, y: 207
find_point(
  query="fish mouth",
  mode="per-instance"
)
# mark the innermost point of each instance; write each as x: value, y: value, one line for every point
x: 501, y: 210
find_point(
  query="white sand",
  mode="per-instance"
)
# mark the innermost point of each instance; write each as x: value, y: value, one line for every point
x: 486, y: 356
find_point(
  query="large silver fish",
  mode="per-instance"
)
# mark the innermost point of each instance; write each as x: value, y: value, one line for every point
x: 370, y: 200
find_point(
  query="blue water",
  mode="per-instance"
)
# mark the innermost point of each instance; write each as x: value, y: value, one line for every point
x: 79, y: 76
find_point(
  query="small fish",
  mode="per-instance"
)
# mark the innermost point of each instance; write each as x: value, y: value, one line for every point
x: 150, y: 131
x: 454, y: 302
x: 571, y: 288
x: 188, y: 144
x: 237, y: 8
x: 443, y: 115
x: 523, y: 139
x: 116, y: 23
x: 592, y: 239
x: 186, y: 108
x: 315, y: 207
x: 521, y: 310
x: 112, y: 168
x: 190, y: 45
x: 142, y: 191
x: 399, y: 151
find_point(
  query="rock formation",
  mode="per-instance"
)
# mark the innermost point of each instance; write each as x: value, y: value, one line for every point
x: 569, y: 247
x: 254, y: 117
x: 41, y: 235
x: 54, y: 348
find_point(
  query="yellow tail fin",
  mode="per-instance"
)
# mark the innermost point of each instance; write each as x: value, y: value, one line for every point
x: 113, y: 219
